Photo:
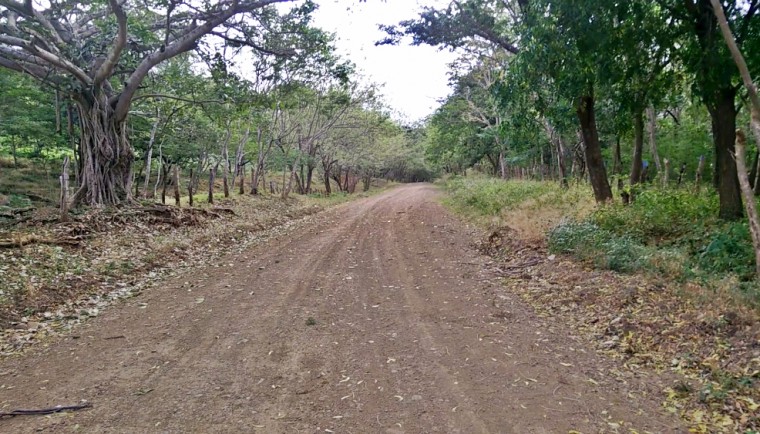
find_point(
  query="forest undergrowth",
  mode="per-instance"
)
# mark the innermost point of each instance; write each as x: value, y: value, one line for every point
x: 661, y: 284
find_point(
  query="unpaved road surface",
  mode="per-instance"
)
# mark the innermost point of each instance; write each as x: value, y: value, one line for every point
x: 381, y: 319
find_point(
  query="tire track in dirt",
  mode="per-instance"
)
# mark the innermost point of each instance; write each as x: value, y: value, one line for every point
x: 412, y: 334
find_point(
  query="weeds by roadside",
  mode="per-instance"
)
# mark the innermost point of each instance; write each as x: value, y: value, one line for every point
x: 530, y: 207
x: 684, y: 302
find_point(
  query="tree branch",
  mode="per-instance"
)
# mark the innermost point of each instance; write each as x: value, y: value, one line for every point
x: 119, y: 43
x: 177, y: 98
x: 64, y: 64
x: 181, y: 45
x: 253, y: 45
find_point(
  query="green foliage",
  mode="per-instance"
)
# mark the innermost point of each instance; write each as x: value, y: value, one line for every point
x: 489, y: 196
x: 659, y: 215
x: 588, y: 241
x: 27, y: 120
x: 18, y: 201
x: 576, y: 238
x: 729, y: 250
x: 669, y: 231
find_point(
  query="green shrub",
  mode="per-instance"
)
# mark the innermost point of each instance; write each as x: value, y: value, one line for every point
x: 622, y: 254
x: 659, y: 215
x: 729, y: 250
x: 587, y: 241
x: 671, y: 232
x: 576, y: 238
x: 489, y: 196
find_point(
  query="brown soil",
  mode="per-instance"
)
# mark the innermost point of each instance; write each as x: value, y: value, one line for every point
x: 382, y: 318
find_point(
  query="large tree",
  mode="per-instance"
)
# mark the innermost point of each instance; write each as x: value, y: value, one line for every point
x: 559, y: 39
x: 716, y: 78
x: 99, y: 53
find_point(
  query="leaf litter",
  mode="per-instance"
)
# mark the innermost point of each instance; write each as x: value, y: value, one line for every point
x: 47, y: 289
x: 647, y: 324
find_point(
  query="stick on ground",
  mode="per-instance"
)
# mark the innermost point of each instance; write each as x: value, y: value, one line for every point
x: 44, y: 411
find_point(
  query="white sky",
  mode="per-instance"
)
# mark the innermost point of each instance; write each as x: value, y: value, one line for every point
x: 414, y: 77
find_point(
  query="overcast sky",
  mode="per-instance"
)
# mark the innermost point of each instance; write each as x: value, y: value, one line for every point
x: 414, y: 77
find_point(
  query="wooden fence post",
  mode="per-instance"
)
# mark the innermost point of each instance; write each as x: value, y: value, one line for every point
x: 176, y: 186
x: 64, y: 179
x: 190, y: 188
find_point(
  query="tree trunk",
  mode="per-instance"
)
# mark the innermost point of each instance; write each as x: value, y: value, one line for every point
x: 749, y: 198
x: 200, y: 168
x: 741, y: 65
x: 286, y: 188
x: 561, y: 162
x: 257, y: 171
x: 652, y: 118
x: 328, y: 190
x: 14, y: 152
x: 255, y: 180
x: 58, y: 112
x: 106, y: 176
x: 300, y: 180
x: 176, y: 186
x: 160, y: 168
x: 594, y: 160
x: 164, y: 183
x: 617, y: 164
x: 756, y: 186
x: 256, y: 177
x: 149, y: 154
x: 723, y: 116
x: 148, y: 162
x: 225, y: 184
x: 338, y: 178
x: 226, y: 162
x: 65, y: 190
x: 502, y: 166
x: 241, y: 173
x: 190, y: 189
x: 239, y: 155
x: 211, y: 179
x: 637, y: 166
x: 700, y: 170
x: 70, y: 133
x: 309, y: 176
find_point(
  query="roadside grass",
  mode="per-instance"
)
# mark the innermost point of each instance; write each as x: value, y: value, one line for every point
x: 674, y: 233
x: 530, y: 207
x: 682, y: 297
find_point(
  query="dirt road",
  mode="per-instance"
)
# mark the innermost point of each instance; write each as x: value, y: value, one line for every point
x: 381, y: 319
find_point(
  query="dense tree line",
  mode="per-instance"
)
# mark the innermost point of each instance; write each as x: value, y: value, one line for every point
x: 562, y: 88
